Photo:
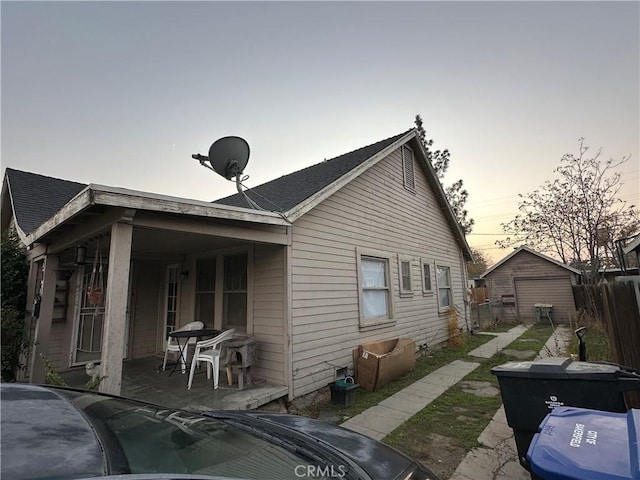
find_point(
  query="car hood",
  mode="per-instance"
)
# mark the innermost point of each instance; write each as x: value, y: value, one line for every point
x: 68, y: 446
x: 380, y: 461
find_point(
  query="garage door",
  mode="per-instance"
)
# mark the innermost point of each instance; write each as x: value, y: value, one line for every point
x: 556, y: 291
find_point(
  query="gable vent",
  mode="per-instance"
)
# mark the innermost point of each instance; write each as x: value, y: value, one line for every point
x: 407, y: 167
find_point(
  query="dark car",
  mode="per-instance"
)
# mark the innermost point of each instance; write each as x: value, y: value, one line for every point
x: 61, y: 433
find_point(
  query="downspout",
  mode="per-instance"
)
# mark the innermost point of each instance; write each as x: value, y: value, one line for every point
x: 465, y: 297
x: 288, y: 310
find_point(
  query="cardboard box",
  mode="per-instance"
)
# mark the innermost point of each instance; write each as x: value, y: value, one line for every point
x: 381, y: 362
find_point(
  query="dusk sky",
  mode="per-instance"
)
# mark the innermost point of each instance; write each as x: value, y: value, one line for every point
x: 123, y: 93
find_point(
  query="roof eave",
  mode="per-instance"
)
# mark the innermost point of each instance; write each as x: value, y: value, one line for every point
x: 305, y: 206
x: 632, y: 245
x: 120, y: 197
x: 10, y: 209
x: 311, y: 202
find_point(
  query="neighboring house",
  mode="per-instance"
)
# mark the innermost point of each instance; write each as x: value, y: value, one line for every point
x: 359, y: 248
x: 526, y: 277
x: 633, y: 246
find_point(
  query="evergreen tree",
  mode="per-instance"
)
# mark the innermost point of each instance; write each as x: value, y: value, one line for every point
x: 455, y: 193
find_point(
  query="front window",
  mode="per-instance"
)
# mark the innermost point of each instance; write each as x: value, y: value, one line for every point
x: 205, y: 290
x: 234, y: 313
x: 443, y: 277
x: 171, y: 309
x: 375, y: 291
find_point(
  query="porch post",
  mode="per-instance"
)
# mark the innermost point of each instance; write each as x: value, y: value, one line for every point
x: 43, y: 323
x: 113, y: 334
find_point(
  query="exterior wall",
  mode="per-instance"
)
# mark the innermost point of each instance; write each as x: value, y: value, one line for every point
x: 269, y: 317
x: 144, y: 310
x: 265, y: 307
x: 373, y: 211
x: 526, y: 266
x: 556, y: 291
x: 60, y: 338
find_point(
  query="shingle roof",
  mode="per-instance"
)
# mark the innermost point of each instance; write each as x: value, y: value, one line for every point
x: 524, y: 248
x: 284, y: 193
x: 36, y: 198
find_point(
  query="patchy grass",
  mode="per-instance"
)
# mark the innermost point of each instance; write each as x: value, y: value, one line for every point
x: 424, y: 366
x: 458, y: 415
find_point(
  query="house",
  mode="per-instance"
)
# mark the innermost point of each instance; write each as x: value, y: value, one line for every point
x: 359, y: 248
x: 524, y: 278
x: 633, y: 245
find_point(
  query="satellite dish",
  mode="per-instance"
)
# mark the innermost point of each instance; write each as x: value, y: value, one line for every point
x: 229, y: 156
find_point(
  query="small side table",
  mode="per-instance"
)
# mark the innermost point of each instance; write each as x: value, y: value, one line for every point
x: 543, y: 312
x: 241, y: 355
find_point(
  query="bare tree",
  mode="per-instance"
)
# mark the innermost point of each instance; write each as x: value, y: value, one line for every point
x: 578, y: 216
x: 455, y: 193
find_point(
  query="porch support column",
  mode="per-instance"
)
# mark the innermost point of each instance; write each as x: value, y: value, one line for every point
x: 113, y: 334
x: 43, y: 325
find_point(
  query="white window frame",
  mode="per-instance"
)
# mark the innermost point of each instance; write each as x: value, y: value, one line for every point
x: 426, y: 263
x: 444, y: 308
x: 219, y: 288
x: 404, y: 291
x: 408, y: 166
x: 382, y: 320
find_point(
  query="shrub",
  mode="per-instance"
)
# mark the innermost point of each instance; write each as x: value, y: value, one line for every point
x: 13, y: 342
x: 13, y: 295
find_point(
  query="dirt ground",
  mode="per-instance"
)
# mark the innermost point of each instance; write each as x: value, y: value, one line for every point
x: 437, y: 452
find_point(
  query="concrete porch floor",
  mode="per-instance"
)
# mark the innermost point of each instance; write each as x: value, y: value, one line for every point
x: 143, y: 379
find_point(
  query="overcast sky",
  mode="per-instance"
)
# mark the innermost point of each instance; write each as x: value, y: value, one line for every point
x: 122, y: 93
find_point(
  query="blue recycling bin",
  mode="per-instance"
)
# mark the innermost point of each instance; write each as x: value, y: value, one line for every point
x: 583, y: 444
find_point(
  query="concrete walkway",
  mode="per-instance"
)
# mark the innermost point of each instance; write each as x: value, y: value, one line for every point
x: 492, y: 347
x: 379, y: 421
x: 497, y: 458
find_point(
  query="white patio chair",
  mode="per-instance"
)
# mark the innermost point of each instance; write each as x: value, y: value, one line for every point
x: 209, y: 351
x: 173, y: 345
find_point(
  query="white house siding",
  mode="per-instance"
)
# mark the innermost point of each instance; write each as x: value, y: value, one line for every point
x: 269, y: 317
x: 373, y: 211
x: 525, y: 265
x: 144, y: 313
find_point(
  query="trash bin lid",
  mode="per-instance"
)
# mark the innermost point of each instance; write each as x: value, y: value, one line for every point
x: 583, y: 444
x: 558, y: 368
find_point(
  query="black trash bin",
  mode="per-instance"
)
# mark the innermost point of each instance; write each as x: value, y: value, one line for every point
x: 530, y: 390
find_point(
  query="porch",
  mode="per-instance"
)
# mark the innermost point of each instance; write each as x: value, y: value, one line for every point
x: 143, y: 379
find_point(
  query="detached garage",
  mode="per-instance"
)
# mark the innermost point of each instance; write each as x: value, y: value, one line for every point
x: 526, y: 277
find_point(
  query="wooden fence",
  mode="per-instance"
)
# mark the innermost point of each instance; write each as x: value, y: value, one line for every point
x: 479, y: 295
x: 617, y: 305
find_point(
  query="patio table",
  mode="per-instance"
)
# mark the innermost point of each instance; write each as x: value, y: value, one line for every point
x: 184, y: 336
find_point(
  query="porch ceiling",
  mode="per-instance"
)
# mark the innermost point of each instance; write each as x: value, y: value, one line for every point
x: 150, y: 242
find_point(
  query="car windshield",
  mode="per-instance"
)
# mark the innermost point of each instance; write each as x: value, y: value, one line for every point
x: 139, y: 438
